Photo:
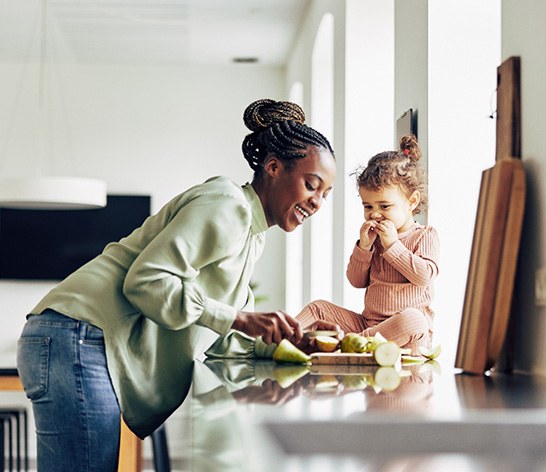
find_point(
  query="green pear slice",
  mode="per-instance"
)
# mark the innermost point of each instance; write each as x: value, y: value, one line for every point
x: 286, y: 375
x: 288, y: 353
x: 412, y: 360
x: 431, y: 353
x: 326, y: 343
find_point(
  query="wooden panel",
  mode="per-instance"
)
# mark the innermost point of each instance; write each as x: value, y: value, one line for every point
x: 10, y: 382
x: 508, y: 109
x: 507, y: 270
x: 467, y: 321
x: 130, y: 451
x: 492, y: 267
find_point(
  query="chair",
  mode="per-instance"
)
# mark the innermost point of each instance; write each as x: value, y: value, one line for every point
x: 162, y: 462
x: 14, y: 426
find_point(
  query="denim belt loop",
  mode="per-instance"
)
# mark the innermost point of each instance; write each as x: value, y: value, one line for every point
x: 82, y: 330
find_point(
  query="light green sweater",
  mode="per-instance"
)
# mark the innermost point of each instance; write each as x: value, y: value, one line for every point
x: 164, y: 294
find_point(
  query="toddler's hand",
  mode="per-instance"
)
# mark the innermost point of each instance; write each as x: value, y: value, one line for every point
x: 387, y: 233
x: 367, y: 234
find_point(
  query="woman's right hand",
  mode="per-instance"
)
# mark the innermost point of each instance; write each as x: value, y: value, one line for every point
x: 273, y: 327
x: 368, y: 234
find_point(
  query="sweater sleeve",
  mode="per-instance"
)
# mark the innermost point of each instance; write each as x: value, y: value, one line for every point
x: 420, y: 267
x: 162, y: 281
x: 237, y: 344
x: 358, y: 268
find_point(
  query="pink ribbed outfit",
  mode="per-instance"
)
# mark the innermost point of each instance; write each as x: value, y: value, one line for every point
x: 398, y: 283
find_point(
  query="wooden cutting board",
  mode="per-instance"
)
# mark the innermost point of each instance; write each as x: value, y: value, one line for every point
x: 342, y: 358
x: 492, y: 266
x: 497, y: 232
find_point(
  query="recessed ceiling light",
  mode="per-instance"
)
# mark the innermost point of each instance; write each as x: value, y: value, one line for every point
x: 245, y: 60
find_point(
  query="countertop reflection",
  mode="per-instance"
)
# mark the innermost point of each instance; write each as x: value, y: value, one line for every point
x: 250, y: 415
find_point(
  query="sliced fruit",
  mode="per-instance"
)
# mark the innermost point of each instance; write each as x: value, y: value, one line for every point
x: 326, y: 343
x: 314, y: 334
x: 386, y: 378
x: 356, y: 382
x: 286, y: 375
x: 374, y: 341
x: 431, y: 366
x: 387, y: 354
x: 360, y: 344
x: 412, y: 360
x: 326, y: 382
x: 354, y: 342
x: 287, y: 352
x: 346, y: 342
x: 431, y: 353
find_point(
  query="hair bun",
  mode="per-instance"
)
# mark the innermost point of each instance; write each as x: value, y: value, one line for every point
x: 410, y: 147
x: 263, y: 113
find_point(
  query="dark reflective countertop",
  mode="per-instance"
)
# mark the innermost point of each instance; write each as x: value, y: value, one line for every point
x: 249, y: 415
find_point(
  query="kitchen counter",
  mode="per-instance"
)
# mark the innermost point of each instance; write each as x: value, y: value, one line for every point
x: 259, y: 416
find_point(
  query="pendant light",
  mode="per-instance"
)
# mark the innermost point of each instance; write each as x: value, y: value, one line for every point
x: 36, y: 190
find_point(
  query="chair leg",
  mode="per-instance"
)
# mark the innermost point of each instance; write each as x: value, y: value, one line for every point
x: 162, y: 462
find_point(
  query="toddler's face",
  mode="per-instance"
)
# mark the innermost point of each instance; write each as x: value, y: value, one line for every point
x: 389, y: 203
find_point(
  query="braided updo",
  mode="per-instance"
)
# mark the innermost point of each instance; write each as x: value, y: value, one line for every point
x: 399, y: 168
x: 278, y: 128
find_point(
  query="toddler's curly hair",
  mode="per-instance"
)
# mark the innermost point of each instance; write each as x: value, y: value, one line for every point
x: 400, y: 168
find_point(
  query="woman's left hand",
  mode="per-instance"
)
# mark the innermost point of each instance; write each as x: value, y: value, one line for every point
x: 273, y: 327
x: 308, y: 345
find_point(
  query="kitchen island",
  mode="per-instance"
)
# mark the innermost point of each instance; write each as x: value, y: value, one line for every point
x: 250, y: 415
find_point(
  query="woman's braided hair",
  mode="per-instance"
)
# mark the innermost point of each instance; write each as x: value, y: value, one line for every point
x: 400, y: 168
x: 278, y: 128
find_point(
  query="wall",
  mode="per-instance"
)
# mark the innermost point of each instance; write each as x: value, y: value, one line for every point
x: 446, y: 58
x: 154, y: 130
x: 523, y: 35
x: 369, y: 113
x: 299, y: 70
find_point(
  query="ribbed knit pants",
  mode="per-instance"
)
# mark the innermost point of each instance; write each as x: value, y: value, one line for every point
x: 408, y: 329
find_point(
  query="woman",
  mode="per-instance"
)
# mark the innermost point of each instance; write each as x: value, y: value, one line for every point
x: 121, y: 333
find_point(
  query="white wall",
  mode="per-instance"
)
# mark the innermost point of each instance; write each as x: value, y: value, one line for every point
x: 154, y: 130
x: 369, y: 113
x: 524, y: 35
x: 446, y: 58
x: 299, y: 70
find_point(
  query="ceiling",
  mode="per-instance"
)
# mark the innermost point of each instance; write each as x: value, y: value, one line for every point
x: 150, y: 32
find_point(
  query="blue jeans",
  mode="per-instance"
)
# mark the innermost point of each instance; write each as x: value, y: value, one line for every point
x: 62, y: 364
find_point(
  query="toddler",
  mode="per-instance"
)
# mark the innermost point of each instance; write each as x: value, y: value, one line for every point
x: 395, y: 259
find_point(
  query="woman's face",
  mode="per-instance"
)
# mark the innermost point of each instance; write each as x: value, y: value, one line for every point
x: 294, y: 194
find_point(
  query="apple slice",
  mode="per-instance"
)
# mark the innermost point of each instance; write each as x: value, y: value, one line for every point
x: 387, y: 354
x: 431, y: 353
x: 288, y: 353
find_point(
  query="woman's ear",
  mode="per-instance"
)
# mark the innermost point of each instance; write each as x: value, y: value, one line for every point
x: 272, y: 166
x: 414, y: 199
